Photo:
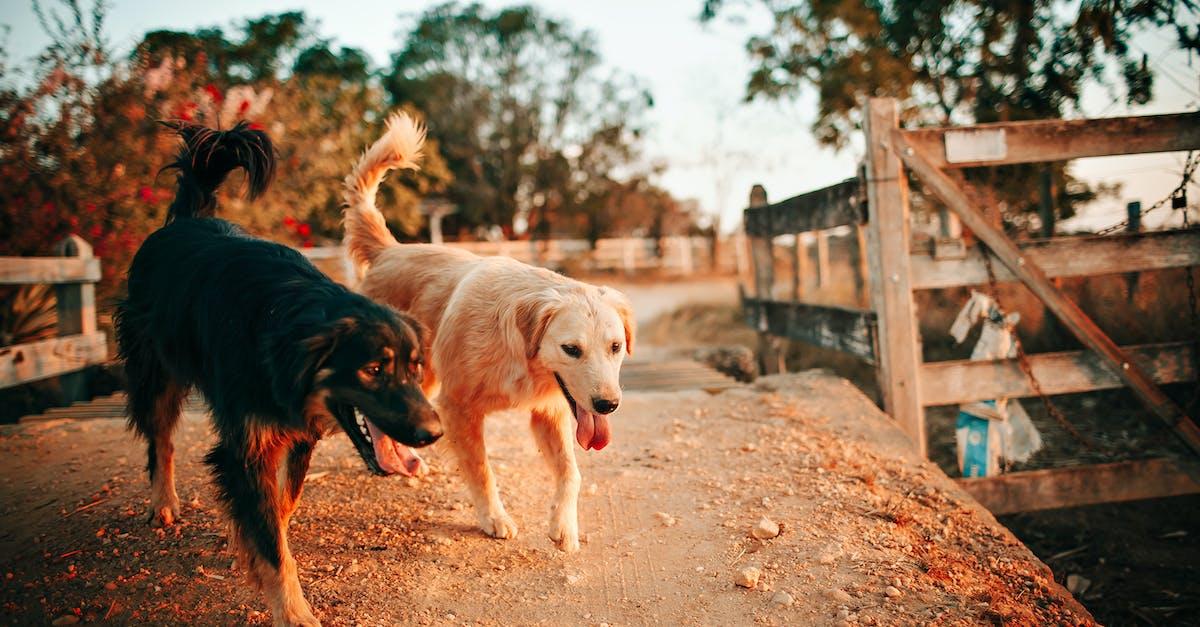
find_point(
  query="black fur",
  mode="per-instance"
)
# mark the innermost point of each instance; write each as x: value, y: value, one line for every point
x: 262, y: 333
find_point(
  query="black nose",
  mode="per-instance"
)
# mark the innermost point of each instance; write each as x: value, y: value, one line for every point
x: 605, y: 406
x: 424, y: 437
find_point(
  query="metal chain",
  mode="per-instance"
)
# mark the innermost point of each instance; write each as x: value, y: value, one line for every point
x: 1189, y: 168
x: 1023, y: 360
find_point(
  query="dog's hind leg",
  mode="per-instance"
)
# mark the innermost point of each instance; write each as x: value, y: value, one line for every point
x: 464, y: 430
x: 154, y: 405
x: 254, y: 479
x: 551, y: 428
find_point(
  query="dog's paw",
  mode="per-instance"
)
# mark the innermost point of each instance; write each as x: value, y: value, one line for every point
x: 305, y: 619
x: 498, y: 525
x: 296, y: 614
x: 164, y: 514
x: 565, y: 537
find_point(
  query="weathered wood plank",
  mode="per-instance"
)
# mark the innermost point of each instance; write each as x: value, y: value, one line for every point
x: 23, y: 363
x: 824, y: 271
x: 1061, y: 140
x: 964, y: 381
x: 51, y: 270
x: 950, y: 190
x: 76, y: 309
x: 1068, y: 257
x: 762, y: 253
x: 847, y: 330
x: 826, y: 208
x: 888, y: 236
x: 1084, y: 485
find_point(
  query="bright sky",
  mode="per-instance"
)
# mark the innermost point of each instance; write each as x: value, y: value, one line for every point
x: 715, y: 147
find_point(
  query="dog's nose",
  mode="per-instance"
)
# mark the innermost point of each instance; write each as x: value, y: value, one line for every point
x: 425, y: 437
x: 605, y: 406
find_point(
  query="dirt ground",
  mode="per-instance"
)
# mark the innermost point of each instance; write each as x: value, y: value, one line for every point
x: 868, y: 535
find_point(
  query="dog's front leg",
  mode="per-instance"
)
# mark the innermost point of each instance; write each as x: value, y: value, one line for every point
x: 258, y: 504
x: 464, y: 430
x: 297, y: 468
x: 551, y: 428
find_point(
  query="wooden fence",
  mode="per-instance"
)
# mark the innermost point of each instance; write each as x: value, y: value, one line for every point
x: 79, y: 344
x: 887, y: 334
x: 676, y: 255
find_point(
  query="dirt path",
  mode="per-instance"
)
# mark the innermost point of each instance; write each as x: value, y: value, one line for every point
x: 666, y: 510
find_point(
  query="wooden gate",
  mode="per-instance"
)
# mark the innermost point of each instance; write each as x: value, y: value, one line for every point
x: 909, y: 385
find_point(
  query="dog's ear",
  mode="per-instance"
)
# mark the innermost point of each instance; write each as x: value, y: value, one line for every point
x: 533, y: 315
x: 420, y: 330
x: 624, y: 308
x: 295, y: 364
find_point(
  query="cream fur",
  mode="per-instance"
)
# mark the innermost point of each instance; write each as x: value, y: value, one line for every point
x: 400, y: 147
x: 497, y: 328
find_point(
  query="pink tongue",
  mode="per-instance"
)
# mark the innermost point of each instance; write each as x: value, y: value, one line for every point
x: 591, y: 430
x: 393, y: 456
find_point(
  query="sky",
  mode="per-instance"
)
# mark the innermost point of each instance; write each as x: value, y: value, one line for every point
x: 714, y: 145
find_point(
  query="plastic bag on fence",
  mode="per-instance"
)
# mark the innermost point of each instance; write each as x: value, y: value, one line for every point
x: 990, y: 432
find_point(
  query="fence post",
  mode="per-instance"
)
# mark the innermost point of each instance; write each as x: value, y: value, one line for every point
x: 823, y: 268
x: 76, y: 310
x: 798, y: 253
x: 685, y: 252
x: 858, y: 263
x: 891, y: 290
x: 763, y: 257
x: 1133, y: 211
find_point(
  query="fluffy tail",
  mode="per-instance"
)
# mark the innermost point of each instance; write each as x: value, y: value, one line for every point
x: 208, y: 156
x: 400, y: 147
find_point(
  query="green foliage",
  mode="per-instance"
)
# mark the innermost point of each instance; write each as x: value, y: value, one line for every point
x: 530, y: 123
x: 953, y: 61
x: 957, y: 62
x: 80, y: 149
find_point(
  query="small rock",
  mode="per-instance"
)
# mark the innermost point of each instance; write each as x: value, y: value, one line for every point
x: 66, y: 619
x: 839, y: 595
x: 573, y: 578
x: 666, y: 519
x: 748, y: 577
x: 828, y: 556
x: 1078, y: 584
x: 765, y: 529
x: 892, y: 591
x: 782, y: 598
x: 110, y: 585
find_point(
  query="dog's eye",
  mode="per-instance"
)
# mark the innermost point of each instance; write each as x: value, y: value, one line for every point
x: 616, y: 347
x: 373, y: 369
x: 572, y: 350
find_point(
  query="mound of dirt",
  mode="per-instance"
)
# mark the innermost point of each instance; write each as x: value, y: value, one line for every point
x: 866, y: 533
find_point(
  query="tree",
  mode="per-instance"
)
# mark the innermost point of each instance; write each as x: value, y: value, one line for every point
x: 958, y: 62
x: 81, y: 150
x: 528, y: 120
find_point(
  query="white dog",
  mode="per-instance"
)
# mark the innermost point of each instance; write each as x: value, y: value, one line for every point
x: 505, y: 335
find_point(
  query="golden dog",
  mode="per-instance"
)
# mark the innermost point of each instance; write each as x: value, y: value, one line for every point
x: 505, y: 336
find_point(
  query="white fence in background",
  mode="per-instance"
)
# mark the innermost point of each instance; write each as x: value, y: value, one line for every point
x: 679, y: 255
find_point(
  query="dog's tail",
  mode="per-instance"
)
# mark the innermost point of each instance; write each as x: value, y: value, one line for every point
x: 208, y: 156
x: 400, y: 147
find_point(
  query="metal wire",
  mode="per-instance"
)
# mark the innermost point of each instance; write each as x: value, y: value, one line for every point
x: 1189, y: 168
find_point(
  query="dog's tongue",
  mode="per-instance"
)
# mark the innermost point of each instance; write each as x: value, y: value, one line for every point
x: 393, y: 456
x: 591, y: 429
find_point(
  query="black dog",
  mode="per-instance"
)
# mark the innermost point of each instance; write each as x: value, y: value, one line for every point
x: 282, y: 354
